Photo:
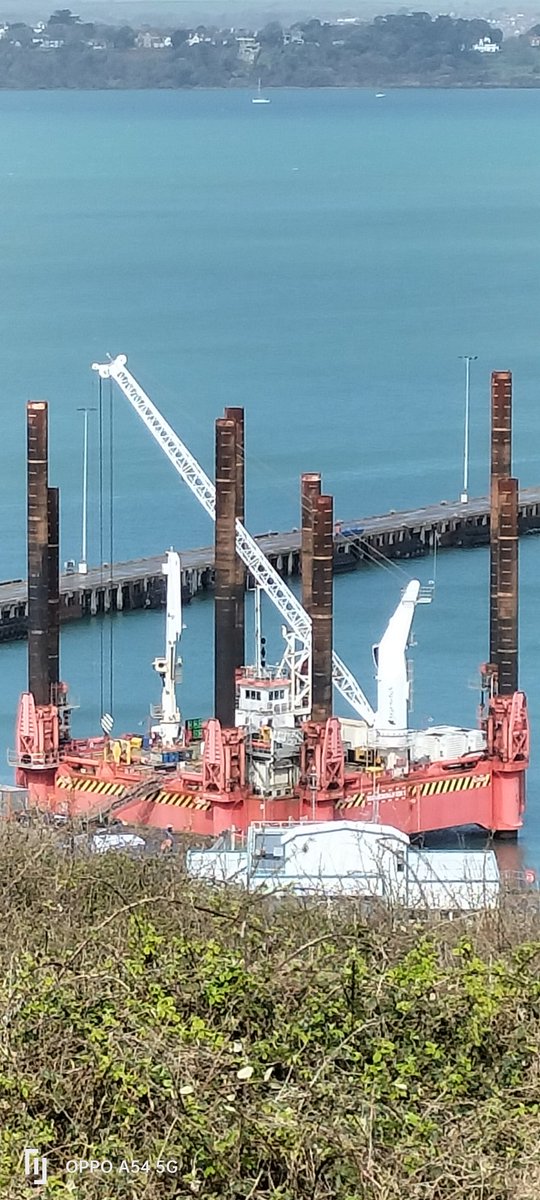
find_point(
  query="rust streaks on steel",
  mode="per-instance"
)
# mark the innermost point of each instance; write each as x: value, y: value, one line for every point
x: 501, y: 424
x: 237, y: 415
x: 53, y: 521
x: 500, y: 468
x: 507, y: 597
x: 310, y: 489
x: 322, y: 608
x: 225, y: 574
x: 38, y: 557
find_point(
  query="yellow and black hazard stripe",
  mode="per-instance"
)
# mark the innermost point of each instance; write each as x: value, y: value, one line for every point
x: 85, y: 783
x: 181, y: 800
x: 355, y: 801
x: 458, y: 783
x: 100, y: 787
x: 178, y: 799
x: 436, y: 787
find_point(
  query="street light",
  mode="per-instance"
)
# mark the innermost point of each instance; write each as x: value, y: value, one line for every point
x: 83, y: 565
x: 467, y: 359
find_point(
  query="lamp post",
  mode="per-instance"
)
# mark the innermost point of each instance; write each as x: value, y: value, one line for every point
x: 83, y: 565
x: 467, y: 359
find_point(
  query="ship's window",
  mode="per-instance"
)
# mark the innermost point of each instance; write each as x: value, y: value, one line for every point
x: 257, y: 695
x: 268, y: 852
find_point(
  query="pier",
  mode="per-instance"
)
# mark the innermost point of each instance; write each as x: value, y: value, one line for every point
x: 140, y: 583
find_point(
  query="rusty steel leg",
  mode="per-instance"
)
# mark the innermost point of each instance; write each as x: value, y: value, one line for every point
x: 237, y: 415
x: 501, y: 468
x: 501, y: 424
x: 54, y: 589
x: 507, y: 599
x: 310, y: 489
x: 38, y: 538
x: 225, y: 573
x: 322, y: 608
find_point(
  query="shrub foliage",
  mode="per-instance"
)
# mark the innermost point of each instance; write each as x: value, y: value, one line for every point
x: 208, y: 1043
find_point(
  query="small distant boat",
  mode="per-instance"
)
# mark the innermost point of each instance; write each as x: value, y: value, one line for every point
x: 379, y: 95
x: 259, y: 98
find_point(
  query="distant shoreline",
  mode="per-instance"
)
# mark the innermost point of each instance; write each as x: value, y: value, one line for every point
x: 276, y: 89
x: 397, y: 51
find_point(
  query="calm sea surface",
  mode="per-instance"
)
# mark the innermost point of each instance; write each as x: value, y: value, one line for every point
x: 322, y: 260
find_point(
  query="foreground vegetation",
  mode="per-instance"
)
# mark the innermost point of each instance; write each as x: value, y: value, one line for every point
x: 194, y: 1042
x: 400, y: 50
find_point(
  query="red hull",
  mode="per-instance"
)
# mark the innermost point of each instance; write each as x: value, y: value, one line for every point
x: 485, y: 790
x: 482, y: 796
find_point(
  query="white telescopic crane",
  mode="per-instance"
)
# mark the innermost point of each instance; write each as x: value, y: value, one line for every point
x: 262, y: 571
x: 168, y: 667
x: 390, y: 658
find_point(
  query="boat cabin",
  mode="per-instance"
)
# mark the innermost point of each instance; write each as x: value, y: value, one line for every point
x: 263, y: 701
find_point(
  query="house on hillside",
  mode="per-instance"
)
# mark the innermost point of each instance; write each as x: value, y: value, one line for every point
x: 486, y: 46
x: 248, y: 49
x: 152, y: 41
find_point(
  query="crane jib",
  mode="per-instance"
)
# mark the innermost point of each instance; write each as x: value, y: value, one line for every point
x: 248, y: 549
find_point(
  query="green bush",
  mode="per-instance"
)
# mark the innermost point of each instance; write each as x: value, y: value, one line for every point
x: 293, y: 1051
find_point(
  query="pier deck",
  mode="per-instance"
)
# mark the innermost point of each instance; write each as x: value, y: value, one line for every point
x: 140, y: 583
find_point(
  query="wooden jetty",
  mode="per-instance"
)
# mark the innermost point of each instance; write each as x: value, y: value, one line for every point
x: 140, y: 583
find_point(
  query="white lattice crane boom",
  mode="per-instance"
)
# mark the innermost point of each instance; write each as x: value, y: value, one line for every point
x: 262, y: 571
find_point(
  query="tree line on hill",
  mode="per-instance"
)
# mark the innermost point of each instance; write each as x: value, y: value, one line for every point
x: 401, y: 49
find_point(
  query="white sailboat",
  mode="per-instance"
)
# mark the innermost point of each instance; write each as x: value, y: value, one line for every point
x: 259, y: 98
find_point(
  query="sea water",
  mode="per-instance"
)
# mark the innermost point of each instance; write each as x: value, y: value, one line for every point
x: 324, y: 261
